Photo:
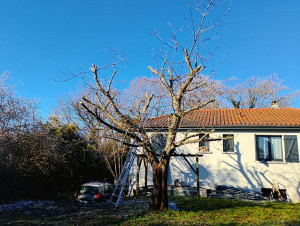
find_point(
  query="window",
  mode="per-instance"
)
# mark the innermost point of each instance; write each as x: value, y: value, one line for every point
x: 159, y: 142
x: 267, y: 192
x: 109, y: 188
x: 204, y: 144
x: 228, y: 143
x: 269, y: 148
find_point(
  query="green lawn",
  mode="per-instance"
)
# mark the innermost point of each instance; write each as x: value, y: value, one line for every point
x: 221, y: 211
x: 191, y: 212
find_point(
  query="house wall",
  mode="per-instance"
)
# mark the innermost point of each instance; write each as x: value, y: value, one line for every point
x: 238, y: 169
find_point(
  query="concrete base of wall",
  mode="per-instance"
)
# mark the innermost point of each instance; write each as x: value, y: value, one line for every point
x: 192, y: 191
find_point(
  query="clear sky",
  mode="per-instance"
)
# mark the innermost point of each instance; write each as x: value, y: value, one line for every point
x: 39, y: 39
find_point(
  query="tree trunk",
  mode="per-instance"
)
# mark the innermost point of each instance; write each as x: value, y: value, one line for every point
x: 159, y: 198
x: 139, y: 162
x: 119, y: 161
x: 146, y: 174
x: 115, y: 161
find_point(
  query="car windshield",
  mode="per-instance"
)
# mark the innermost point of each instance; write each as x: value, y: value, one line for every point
x: 88, y: 189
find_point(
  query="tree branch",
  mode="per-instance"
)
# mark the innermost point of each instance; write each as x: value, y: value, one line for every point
x: 149, y: 98
x: 188, y: 137
x: 110, y: 81
x: 123, y: 142
x: 196, y: 37
x: 110, y: 126
x: 199, y: 106
x: 196, y: 87
x: 164, y: 81
x: 197, y: 141
x: 110, y: 99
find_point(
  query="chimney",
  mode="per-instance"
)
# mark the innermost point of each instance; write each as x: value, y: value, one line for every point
x: 274, y: 104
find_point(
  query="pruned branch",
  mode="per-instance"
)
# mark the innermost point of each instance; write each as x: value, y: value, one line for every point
x: 110, y: 81
x: 198, y: 140
x: 164, y: 81
x: 188, y: 137
x: 199, y: 106
x: 196, y: 87
x: 149, y: 98
x: 110, y: 126
x: 111, y: 101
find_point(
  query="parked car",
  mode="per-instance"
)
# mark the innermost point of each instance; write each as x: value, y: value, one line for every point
x: 94, y: 191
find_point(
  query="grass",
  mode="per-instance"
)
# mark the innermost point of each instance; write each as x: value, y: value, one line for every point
x: 191, y: 212
x: 221, y: 211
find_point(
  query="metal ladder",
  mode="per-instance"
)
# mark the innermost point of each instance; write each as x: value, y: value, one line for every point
x: 122, y: 180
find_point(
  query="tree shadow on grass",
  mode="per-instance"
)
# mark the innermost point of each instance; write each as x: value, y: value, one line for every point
x: 195, y: 204
x: 211, y: 204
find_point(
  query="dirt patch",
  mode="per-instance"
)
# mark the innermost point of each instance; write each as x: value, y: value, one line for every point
x: 61, y: 212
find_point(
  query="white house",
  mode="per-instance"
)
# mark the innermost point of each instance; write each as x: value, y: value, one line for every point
x: 263, y: 148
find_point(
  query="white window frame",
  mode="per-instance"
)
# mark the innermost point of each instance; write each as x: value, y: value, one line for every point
x: 270, y: 150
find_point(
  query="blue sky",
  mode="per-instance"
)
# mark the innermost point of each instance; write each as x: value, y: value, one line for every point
x: 39, y: 39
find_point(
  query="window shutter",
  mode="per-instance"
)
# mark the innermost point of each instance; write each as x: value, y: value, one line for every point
x: 291, y: 148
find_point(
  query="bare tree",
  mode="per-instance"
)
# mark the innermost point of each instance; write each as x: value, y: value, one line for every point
x: 142, y: 86
x: 260, y: 92
x: 16, y: 113
x: 180, y: 73
x: 69, y: 108
x: 213, y: 89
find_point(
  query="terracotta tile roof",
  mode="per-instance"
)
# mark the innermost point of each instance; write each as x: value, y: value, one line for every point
x: 250, y: 117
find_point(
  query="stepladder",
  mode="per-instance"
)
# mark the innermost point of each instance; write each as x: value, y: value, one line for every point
x: 123, y: 178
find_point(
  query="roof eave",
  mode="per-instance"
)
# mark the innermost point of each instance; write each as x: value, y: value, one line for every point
x: 232, y: 128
